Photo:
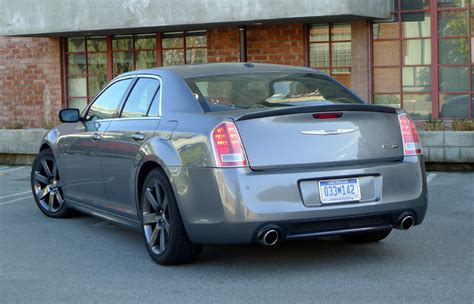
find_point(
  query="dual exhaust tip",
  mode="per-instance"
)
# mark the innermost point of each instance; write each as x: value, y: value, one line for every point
x: 270, y: 236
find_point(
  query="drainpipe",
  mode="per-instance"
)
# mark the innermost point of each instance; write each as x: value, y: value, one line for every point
x: 243, y: 43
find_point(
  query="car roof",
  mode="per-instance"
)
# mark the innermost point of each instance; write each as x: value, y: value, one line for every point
x: 210, y: 69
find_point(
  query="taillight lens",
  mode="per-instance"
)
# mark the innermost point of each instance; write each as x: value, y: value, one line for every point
x: 411, y: 140
x: 227, y: 146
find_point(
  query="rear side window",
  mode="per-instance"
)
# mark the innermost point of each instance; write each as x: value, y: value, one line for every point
x: 139, y: 100
x: 261, y: 90
x: 106, y: 105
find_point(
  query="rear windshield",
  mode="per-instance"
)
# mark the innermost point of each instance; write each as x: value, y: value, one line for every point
x: 261, y: 90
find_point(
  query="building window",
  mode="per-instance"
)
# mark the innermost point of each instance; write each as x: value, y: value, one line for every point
x: 455, y: 59
x: 133, y: 52
x: 330, y: 50
x: 184, y: 48
x: 86, y: 69
x: 429, y: 74
x: 91, y: 62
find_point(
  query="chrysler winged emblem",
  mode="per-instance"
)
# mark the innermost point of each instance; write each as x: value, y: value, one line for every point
x: 329, y: 132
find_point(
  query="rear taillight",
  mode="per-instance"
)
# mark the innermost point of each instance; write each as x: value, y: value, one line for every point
x: 227, y: 146
x: 411, y: 140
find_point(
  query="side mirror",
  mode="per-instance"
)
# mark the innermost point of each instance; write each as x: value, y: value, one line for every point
x: 69, y: 115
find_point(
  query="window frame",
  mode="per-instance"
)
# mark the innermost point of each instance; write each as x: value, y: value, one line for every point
x: 109, y: 63
x: 433, y: 11
x: 330, y: 41
x: 124, y: 97
x: 157, y: 94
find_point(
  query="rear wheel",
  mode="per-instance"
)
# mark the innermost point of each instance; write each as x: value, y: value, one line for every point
x: 46, y: 186
x: 366, y: 237
x: 165, y: 237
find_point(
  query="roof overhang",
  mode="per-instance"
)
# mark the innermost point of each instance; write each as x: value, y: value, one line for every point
x: 86, y: 17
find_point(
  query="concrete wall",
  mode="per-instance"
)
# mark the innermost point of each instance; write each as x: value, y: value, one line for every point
x: 26, y: 17
x: 448, y: 146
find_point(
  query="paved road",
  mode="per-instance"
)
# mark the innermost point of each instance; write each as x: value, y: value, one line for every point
x: 88, y: 260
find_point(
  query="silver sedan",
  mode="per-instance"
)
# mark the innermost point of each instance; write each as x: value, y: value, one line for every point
x: 233, y: 153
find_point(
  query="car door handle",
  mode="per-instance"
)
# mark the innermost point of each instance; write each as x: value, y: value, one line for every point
x: 138, y: 136
x: 96, y: 137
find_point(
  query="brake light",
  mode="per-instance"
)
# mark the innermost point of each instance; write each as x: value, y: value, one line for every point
x: 327, y: 115
x: 228, y: 149
x: 410, y: 138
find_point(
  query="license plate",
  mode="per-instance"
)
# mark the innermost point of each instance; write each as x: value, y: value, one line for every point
x: 339, y: 190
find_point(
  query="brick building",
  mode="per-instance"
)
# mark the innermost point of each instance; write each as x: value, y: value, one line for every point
x: 414, y: 54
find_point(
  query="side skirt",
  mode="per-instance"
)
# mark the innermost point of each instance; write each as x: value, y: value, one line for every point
x: 117, y: 219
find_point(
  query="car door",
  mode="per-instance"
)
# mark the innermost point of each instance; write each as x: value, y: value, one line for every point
x: 79, y: 150
x: 121, y: 144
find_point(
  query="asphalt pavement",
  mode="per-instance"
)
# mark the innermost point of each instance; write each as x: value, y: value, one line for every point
x: 87, y: 260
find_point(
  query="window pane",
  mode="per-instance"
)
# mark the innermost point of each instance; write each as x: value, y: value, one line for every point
x: 319, y: 33
x: 453, y: 51
x: 140, y: 98
x: 453, y: 3
x: 392, y: 100
x: 145, y: 59
x: 386, y: 30
x: 454, y: 106
x: 319, y: 55
x: 411, y: 5
x: 143, y: 42
x: 196, y: 56
x: 386, y: 53
x: 472, y: 22
x: 343, y: 76
x: 417, y: 51
x: 196, y: 40
x: 452, y: 23
x: 95, y: 84
x: 155, y: 105
x: 107, y: 103
x: 76, y: 86
x: 123, y: 62
x: 172, y: 57
x: 418, y: 105
x: 453, y: 79
x: 416, y: 79
x: 122, y: 42
x: 96, y: 44
x: 416, y: 25
x: 97, y: 63
x: 341, y: 54
x: 77, y: 44
x: 76, y: 64
x: 341, y: 32
x: 472, y: 79
x: 386, y: 80
x: 78, y: 103
x: 172, y: 40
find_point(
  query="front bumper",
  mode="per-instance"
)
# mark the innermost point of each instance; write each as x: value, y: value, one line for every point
x: 229, y: 206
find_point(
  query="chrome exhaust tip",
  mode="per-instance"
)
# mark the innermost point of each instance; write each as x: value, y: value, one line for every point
x: 407, y: 222
x: 270, y: 237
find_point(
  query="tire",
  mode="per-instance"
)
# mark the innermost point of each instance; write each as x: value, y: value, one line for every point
x: 47, y: 187
x: 163, y: 230
x: 366, y: 237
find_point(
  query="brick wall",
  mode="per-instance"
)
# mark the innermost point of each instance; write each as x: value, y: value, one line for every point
x: 30, y: 82
x: 279, y: 43
x: 360, y: 82
x: 223, y: 44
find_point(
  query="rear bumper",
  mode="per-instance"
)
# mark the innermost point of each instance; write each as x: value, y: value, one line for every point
x: 228, y: 206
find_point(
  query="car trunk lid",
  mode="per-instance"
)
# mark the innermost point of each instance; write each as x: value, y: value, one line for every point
x: 293, y: 137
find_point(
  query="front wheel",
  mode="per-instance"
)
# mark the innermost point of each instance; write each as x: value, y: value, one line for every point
x: 46, y: 186
x: 163, y: 230
x: 366, y: 237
